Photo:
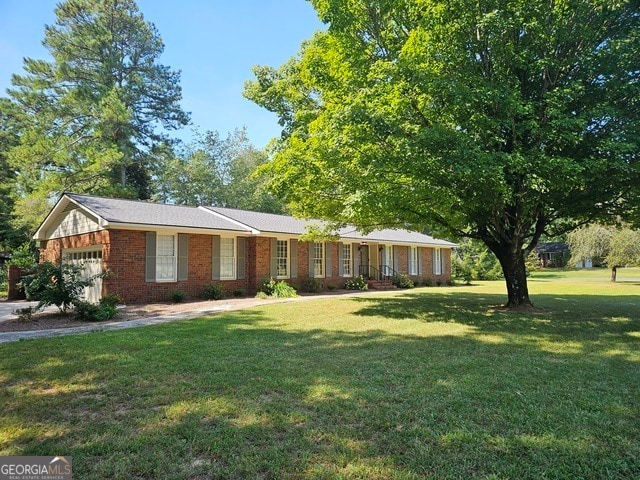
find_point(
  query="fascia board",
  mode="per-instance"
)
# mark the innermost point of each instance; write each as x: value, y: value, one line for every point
x: 172, y: 228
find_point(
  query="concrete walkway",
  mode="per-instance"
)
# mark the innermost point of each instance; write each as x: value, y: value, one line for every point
x: 223, y: 306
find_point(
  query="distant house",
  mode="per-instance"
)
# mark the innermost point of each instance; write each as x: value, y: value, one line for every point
x: 152, y: 250
x: 553, y: 254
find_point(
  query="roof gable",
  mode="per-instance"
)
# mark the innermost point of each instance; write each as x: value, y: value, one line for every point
x: 112, y: 212
x: 73, y: 221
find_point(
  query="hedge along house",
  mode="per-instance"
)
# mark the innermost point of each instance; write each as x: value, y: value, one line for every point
x: 151, y: 250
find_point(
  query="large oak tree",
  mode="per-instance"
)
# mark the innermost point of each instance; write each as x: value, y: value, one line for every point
x: 495, y: 120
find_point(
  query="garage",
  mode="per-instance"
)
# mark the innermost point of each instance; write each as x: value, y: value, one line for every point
x: 90, y: 259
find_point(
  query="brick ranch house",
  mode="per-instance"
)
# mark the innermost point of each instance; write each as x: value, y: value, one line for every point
x: 152, y: 250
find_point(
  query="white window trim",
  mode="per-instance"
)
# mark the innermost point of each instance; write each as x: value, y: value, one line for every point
x: 350, y: 247
x: 234, y: 258
x: 323, y: 259
x: 288, y: 258
x: 437, y: 261
x: 414, y: 263
x: 175, y: 257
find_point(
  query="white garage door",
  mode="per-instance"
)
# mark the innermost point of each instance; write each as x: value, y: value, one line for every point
x: 91, y: 262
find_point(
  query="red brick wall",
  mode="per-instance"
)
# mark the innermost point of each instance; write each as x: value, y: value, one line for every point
x: 427, y: 265
x: 403, y: 259
x: 303, y: 262
x: 51, y: 250
x: 127, y: 267
x: 124, y: 256
x: 258, y: 262
x: 303, y: 265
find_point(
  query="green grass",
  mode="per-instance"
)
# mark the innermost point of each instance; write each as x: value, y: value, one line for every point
x: 424, y: 383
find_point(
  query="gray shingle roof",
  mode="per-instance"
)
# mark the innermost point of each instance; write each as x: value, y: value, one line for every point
x: 395, y: 236
x: 265, y: 222
x: 268, y: 222
x: 117, y: 210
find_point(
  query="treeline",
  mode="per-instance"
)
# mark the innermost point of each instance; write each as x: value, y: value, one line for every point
x: 99, y: 118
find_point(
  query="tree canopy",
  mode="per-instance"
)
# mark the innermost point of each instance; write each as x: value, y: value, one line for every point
x: 210, y: 170
x: 90, y: 118
x: 501, y: 120
x: 616, y: 246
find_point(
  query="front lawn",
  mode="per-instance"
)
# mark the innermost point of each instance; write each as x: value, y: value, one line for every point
x: 424, y: 383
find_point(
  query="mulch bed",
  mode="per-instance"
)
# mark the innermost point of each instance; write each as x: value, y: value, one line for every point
x: 49, y: 320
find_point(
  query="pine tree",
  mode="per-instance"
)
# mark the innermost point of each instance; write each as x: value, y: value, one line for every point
x: 93, y: 114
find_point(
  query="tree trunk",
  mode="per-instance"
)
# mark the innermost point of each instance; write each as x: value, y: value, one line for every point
x: 123, y: 175
x: 515, y: 274
x: 614, y: 273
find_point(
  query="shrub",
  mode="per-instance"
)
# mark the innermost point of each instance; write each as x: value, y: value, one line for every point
x: 215, y: 291
x: 402, y: 280
x: 95, y: 312
x: 61, y: 286
x: 357, y: 283
x: 439, y: 282
x: 474, y: 261
x: 310, y: 285
x: 427, y: 282
x: 239, y: 292
x: 112, y: 299
x: 331, y: 287
x: 262, y: 295
x: 178, y: 296
x: 25, y: 257
x: 271, y: 288
x: 451, y: 282
x: 25, y: 314
x: 284, y: 290
x: 4, y: 280
x: 267, y: 286
x: 532, y: 262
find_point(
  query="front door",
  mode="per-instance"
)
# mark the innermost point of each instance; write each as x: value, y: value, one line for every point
x: 386, y: 266
x: 364, y: 261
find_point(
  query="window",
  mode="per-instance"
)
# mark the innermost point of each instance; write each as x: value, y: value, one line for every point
x: 413, y: 260
x: 227, y: 259
x: 318, y: 260
x: 88, y: 255
x: 437, y: 261
x: 166, y: 258
x: 282, y: 259
x: 346, y: 260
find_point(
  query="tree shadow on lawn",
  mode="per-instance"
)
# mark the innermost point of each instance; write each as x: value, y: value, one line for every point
x: 241, y: 396
x: 566, y: 318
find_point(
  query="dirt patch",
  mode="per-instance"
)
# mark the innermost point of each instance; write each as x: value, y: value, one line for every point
x: 48, y: 320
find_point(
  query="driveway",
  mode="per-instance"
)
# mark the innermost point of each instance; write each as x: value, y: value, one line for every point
x: 7, y: 309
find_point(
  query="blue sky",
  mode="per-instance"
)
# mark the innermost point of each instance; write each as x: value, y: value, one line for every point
x: 215, y: 44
